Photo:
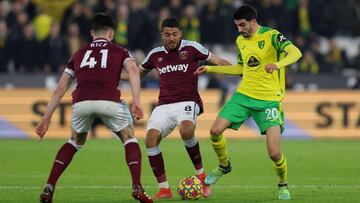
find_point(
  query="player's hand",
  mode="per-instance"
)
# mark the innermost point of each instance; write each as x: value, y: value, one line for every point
x: 271, y: 67
x: 42, y: 128
x: 200, y: 70
x: 137, y: 111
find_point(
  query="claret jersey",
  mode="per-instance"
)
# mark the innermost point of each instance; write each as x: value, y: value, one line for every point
x: 97, y: 68
x: 176, y: 71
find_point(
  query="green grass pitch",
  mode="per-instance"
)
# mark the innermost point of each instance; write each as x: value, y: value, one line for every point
x: 319, y: 171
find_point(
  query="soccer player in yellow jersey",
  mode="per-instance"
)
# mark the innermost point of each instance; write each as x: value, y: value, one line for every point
x: 263, y: 55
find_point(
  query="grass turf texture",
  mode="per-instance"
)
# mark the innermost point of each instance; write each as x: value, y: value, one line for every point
x: 319, y: 171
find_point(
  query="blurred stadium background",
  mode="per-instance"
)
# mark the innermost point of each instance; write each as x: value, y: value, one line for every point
x: 322, y: 103
x: 37, y: 37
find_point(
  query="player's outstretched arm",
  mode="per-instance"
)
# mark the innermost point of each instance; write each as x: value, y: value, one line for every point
x: 134, y: 79
x: 224, y: 70
x: 62, y: 86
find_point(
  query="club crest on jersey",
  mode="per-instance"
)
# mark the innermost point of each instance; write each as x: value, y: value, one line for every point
x: 261, y: 44
x: 160, y: 59
x: 183, y: 55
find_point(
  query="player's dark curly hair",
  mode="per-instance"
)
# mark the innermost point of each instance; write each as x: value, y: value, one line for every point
x: 102, y: 22
x: 170, y: 22
x: 245, y: 12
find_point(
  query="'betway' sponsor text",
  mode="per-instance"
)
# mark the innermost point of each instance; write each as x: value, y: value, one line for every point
x: 173, y: 68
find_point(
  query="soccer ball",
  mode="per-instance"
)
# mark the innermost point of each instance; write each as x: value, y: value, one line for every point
x: 190, y: 188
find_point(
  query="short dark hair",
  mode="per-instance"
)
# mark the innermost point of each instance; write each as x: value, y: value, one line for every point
x: 170, y: 22
x: 102, y: 22
x: 245, y: 12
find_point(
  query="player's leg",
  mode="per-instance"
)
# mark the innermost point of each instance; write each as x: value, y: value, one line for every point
x: 279, y: 160
x: 186, y: 114
x: 218, y: 140
x: 132, y: 153
x: 187, y: 130
x: 62, y: 160
x: 81, y: 122
x: 133, y: 160
x: 270, y: 121
x: 232, y: 115
x: 273, y: 145
x: 152, y: 142
x: 160, y: 124
x: 117, y: 118
x: 219, y: 145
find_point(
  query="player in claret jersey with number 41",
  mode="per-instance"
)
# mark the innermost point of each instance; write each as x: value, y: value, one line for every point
x: 97, y: 68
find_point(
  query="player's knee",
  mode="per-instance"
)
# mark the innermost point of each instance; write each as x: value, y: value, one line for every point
x: 215, y: 131
x: 186, y: 133
x: 152, y: 139
x: 77, y: 146
x: 275, y: 155
x: 187, y: 129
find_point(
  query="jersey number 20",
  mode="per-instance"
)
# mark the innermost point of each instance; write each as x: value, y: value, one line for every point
x: 272, y: 114
x: 91, y: 61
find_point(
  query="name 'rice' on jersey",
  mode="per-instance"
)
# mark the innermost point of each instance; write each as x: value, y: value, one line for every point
x: 176, y: 71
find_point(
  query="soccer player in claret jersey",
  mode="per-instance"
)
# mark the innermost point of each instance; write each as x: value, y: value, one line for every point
x: 261, y: 61
x: 97, y: 68
x: 179, y: 101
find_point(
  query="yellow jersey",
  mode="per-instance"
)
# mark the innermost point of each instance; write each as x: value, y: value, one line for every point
x: 254, y: 53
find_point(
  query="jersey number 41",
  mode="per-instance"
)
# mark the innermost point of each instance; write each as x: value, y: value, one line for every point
x: 91, y: 61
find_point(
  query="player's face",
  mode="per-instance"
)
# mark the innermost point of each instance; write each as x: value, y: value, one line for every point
x: 245, y: 28
x: 171, y: 37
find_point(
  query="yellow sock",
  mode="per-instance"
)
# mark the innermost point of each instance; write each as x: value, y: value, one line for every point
x: 219, y: 144
x: 281, y: 169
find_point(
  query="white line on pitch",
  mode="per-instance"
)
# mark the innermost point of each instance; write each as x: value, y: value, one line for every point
x: 11, y: 187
